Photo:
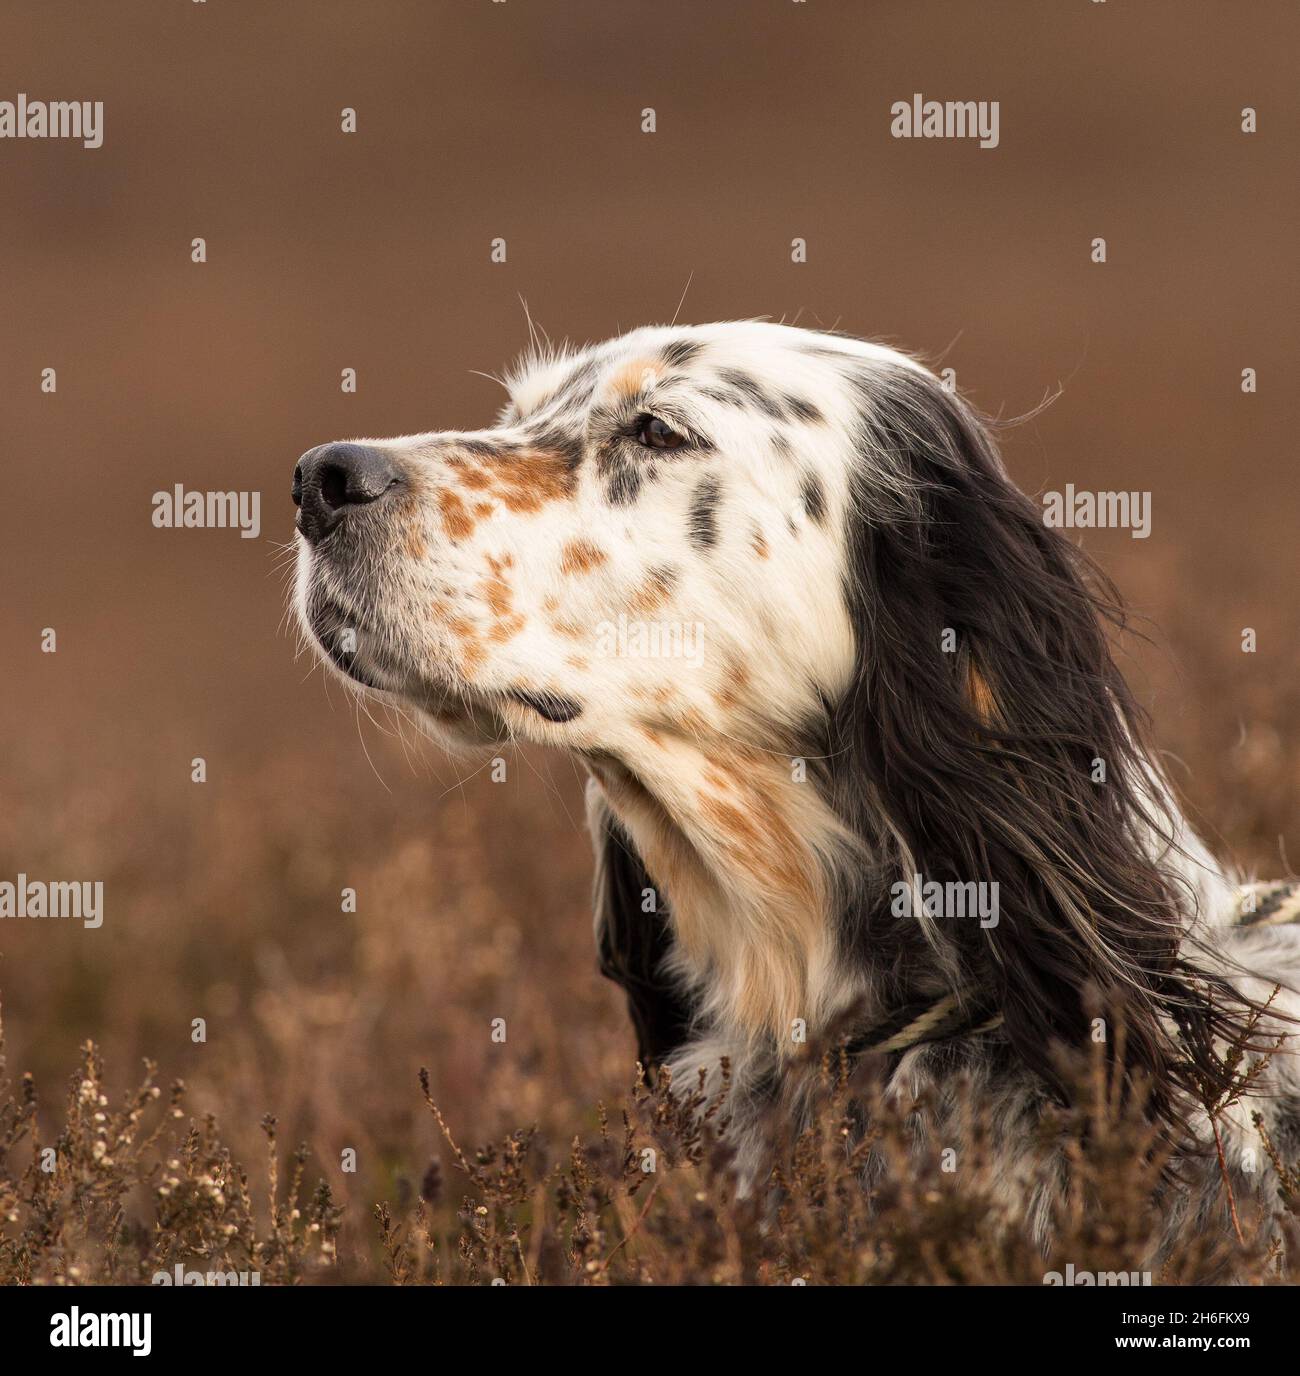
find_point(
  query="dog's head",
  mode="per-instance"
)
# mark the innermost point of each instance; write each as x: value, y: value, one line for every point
x: 777, y: 589
x: 650, y: 540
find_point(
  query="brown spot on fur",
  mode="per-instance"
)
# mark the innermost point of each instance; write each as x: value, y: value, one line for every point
x: 733, y: 822
x: 526, y: 482
x: 523, y: 481
x: 499, y: 596
x: 579, y: 662
x: 760, y: 543
x: 633, y: 378
x: 569, y: 628
x: 496, y: 592
x: 761, y: 840
x: 735, y: 679
x: 581, y: 556
x: 688, y: 722
x: 455, y: 519
x: 470, y: 649
x: 414, y: 544
x: 654, y: 592
x: 981, y: 695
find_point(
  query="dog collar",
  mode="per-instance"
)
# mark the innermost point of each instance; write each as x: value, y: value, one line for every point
x: 924, y: 1021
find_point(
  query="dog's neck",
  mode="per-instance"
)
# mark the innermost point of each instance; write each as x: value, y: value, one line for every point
x: 748, y: 856
x: 757, y: 869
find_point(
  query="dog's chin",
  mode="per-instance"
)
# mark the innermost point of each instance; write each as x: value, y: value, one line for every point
x: 466, y: 727
x: 458, y: 717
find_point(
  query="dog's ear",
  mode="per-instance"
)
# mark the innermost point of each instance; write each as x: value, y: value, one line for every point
x: 635, y: 946
x: 971, y: 744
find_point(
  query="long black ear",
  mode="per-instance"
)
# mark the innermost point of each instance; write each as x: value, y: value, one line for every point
x: 964, y: 750
x: 634, y: 946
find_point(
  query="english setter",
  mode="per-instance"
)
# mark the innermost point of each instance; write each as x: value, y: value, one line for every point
x: 829, y: 672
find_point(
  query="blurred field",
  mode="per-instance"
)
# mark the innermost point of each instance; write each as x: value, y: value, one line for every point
x: 224, y: 903
x: 223, y: 899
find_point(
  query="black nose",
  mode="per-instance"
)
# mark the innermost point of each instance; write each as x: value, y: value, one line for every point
x: 333, y: 478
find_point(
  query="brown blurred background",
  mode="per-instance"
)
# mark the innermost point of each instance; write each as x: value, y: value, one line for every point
x: 522, y: 120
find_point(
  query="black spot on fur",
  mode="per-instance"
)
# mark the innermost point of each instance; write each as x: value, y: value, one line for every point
x: 624, y: 485
x: 664, y: 577
x: 703, y: 523
x: 579, y: 385
x: 739, y: 379
x: 681, y: 352
x: 635, y: 946
x: 601, y: 419
x: 483, y: 448
x: 563, y: 442
x: 803, y: 410
x: 752, y: 393
x: 813, y: 496
x: 553, y: 706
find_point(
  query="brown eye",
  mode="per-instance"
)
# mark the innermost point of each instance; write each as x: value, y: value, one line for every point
x: 656, y: 434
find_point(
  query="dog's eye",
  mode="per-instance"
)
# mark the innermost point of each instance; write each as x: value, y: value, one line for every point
x: 657, y: 434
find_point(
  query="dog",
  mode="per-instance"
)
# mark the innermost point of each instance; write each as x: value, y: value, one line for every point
x: 861, y: 764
